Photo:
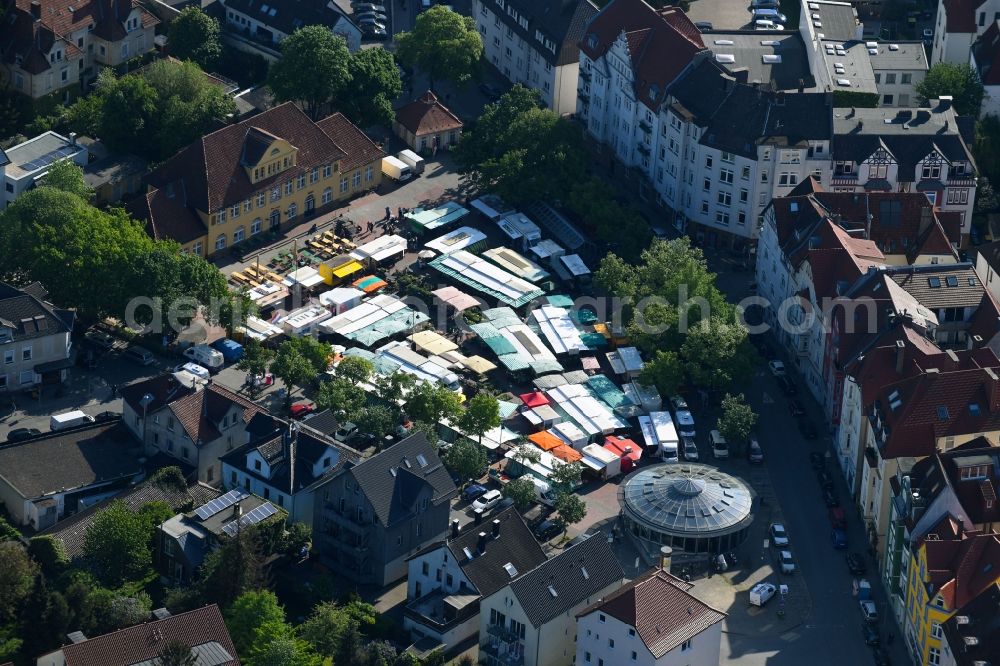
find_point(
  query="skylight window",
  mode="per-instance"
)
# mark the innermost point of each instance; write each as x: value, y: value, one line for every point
x: 552, y: 591
x: 934, y: 282
x: 942, y: 412
x: 468, y: 553
x: 844, y: 82
x: 771, y: 58
x: 723, y: 42
x: 510, y: 569
x: 421, y: 460
x: 725, y: 58
x: 974, y: 409
x: 952, y: 281
x: 583, y: 570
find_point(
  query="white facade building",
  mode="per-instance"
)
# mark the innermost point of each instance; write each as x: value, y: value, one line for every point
x: 535, y: 44
x: 30, y: 162
x: 268, y: 23
x: 958, y: 24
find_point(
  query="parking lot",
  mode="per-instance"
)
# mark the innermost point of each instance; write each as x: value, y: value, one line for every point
x: 722, y: 14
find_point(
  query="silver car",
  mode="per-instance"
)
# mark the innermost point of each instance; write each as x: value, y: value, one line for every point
x: 690, y: 449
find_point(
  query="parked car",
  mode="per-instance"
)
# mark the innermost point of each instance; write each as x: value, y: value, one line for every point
x: 755, y: 454
x: 807, y: 429
x: 769, y: 14
x: 139, y: 355
x: 374, y: 32
x: 194, y: 369
x: 720, y: 447
x: 474, y: 492
x: 761, y: 593
x: 369, y: 22
x: 21, y: 434
x: 231, y: 350
x: 870, y: 632
x: 856, y: 564
x: 690, y: 449
x: 830, y: 498
x: 817, y: 460
x: 100, y: 338
x: 104, y: 417
x: 375, y: 16
x: 777, y: 368
x: 880, y: 656
x: 503, y: 504
x: 763, y: 24
x: 301, y: 408
x: 824, y: 479
x: 764, y: 4
x: 868, y: 610
x: 492, y: 93
x: 796, y: 408
x: 703, y: 25
x: 547, y: 529
x: 368, y: 7
x: 685, y: 423
x: 838, y: 539
x: 787, y: 386
x: 487, y: 501
x: 787, y: 563
x: 837, y: 518
x: 778, y: 534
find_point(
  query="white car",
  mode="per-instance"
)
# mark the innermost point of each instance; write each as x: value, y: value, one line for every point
x: 778, y: 534
x: 777, y: 368
x: 690, y: 449
x: 869, y: 610
x: 678, y: 403
x: 787, y: 563
x: 487, y: 501
x: 761, y: 593
x: 198, y: 371
x: 685, y: 423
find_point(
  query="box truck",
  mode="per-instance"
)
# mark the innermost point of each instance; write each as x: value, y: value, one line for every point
x: 414, y: 161
x: 395, y: 169
x: 69, y: 420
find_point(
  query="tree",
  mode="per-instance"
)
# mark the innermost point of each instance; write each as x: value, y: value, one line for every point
x: 313, y: 69
x: 354, y: 369
x: 255, y: 361
x: 718, y: 354
x: 566, y: 477
x: 391, y: 387
x: 17, y: 575
x: 664, y: 372
x: 613, y: 224
x: 571, y: 508
x: 283, y: 650
x: 737, y: 420
x: 986, y: 149
x: 433, y: 403
x: 233, y: 569
x: 522, y: 491
x: 67, y: 176
x: 234, y: 311
x: 376, y: 421
x: 527, y: 453
x: 194, y: 35
x: 44, y: 619
x: 117, y: 544
x: 296, y: 537
x: 959, y: 81
x: 49, y: 553
x: 128, y: 111
x: 176, y: 653
x: 375, y: 85
x: 444, y: 44
x: 291, y: 366
x: 325, y: 628
x: 341, y: 396
x: 482, y: 414
x: 251, y: 611
x: 466, y: 459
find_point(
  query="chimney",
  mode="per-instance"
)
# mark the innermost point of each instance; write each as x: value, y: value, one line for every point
x: 479, y: 516
x: 900, y: 356
x: 237, y: 510
x: 802, y: 86
x: 481, y: 544
x: 454, y: 528
x: 952, y: 355
x: 72, y: 138
x: 496, y: 528
x: 993, y: 390
x: 36, y: 10
x: 861, y: 125
x: 666, y: 554
x: 961, y: 528
x: 944, y: 101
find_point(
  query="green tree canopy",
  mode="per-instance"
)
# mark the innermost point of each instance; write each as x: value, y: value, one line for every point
x: 617, y: 226
x: 444, y: 44
x: 176, y: 653
x: 718, y: 355
x: 986, y: 149
x: 339, y: 395
x: 481, y: 414
x: 67, y: 176
x: 466, y: 459
x: 958, y: 81
x: 354, y: 369
x: 17, y: 576
x: 664, y: 371
x: 250, y: 612
x: 313, y: 69
x: 571, y: 508
x: 522, y: 491
x: 255, y: 361
x: 391, y: 387
x: 565, y: 478
x: 376, y: 420
x: 194, y: 35
x: 117, y: 544
x: 737, y: 420
x: 292, y: 366
x: 375, y: 85
x: 433, y: 403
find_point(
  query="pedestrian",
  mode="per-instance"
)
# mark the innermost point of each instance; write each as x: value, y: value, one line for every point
x: 400, y: 214
x: 371, y: 227
x: 388, y: 213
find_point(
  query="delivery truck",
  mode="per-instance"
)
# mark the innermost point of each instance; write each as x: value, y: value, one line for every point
x: 395, y: 168
x: 414, y: 161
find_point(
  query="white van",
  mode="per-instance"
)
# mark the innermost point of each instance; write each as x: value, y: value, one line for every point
x: 206, y: 357
x: 69, y: 420
x: 669, y: 452
x: 543, y: 492
x: 720, y: 447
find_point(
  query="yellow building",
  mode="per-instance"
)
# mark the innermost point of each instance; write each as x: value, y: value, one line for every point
x: 269, y: 172
x: 947, y: 570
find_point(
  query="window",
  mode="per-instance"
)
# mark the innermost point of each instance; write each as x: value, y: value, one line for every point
x: 220, y: 216
x: 933, y: 656
x: 327, y: 170
x: 932, y: 171
x: 261, y: 200
x: 905, y: 78
x: 425, y: 568
x: 744, y: 195
x: 611, y: 643
x: 27, y: 377
x: 369, y: 174
x: 301, y: 182
x: 788, y: 179
x: 288, y: 187
x: 586, y: 657
x: 887, y: 99
x: 275, y: 194
x: 843, y: 168
x: 890, y: 78
x: 255, y: 226
x: 728, y: 158
x: 327, y: 195
x: 708, y: 161
x: 125, y: 50
x: 220, y: 242
x: 356, y: 179
x: 707, y: 184
x: 26, y: 353
x: 257, y: 465
x: 935, y: 630
x: 343, y: 184
x: 631, y: 632
x: 634, y: 655
x: 184, y: 452
x: 745, y: 173
x: 239, y: 234
x: 722, y: 218
x: 602, y: 618
x: 726, y: 175
x: 725, y: 198
x: 704, y: 207
x: 292, y: 211
x: 8, y: 356
x: 686, y: 645
x: 878, y: 171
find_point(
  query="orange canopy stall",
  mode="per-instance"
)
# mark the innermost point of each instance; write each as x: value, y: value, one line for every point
x: 545, y: 440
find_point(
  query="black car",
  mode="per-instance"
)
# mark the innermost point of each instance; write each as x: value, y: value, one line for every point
x: 548, y: 529
x: 881, y: 656
x: 856, y: 564
x: 830, y: 498
x: 807, y: 429
x: 703, y: 25
x: 870, y: 632
x: 104, y: 417
x: 21, y: 434
x: 817, y: 460
x: 786, y: 385
x: 824, y: 479
x: 503, y: 504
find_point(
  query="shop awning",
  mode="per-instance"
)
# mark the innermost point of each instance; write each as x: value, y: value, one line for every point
x: 456, y: 298
x: 566, y: 453
x: 534, y: 399
x: 350, y: 268
x: 370, y: 283
x: 479, y: 364
x: 545, y: 440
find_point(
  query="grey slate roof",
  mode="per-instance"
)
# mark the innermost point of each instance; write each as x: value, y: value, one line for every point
x: 748, y: 50
x: 562, y: 21
x: 72, y: 530
x: 737, y: 116
x: 28, y: 316
x: 576, y: 574
x: 958, y: 286
x: 289, y: 15
x: 388, y: 489
x: 70, y: 459
x: 515, y: 546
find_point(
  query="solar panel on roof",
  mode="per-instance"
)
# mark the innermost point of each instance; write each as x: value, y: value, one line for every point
x: 262, y: 512
x: 209, y: 509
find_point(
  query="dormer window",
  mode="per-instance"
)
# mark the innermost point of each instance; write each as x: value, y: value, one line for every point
x: 592, y: 40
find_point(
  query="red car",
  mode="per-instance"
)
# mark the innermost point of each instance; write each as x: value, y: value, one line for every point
x: 796, y: 408
x: 301, y: 408
x: 837, y: 518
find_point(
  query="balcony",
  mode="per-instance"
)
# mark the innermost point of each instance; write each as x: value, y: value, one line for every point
x: 502, y: 655
x: 351, y: 522
x: 441, y: 611
x: 503, y: 633
x: 585, y: 74
x: 643, y: 149
x: 584, y: 97
x: 645, y: 127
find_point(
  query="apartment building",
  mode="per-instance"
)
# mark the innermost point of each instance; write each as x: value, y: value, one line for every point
x: 984, y: 58
x: 28, y: 162
x: 957, y: 26
x: 268, y: 172
x: 536, y: 44
x: 34, y: 339
x: 266, y: 24
x: 56, y: 47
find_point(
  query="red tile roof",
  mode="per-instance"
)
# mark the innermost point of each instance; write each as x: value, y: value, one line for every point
x: 960, y: 15
x: 359, y: 148
x: 959, y: 570
x: 144, y: 642
x: 661, y: 609
x: 661, y: 42
x: 200, y: 412
x: 427, y: 115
